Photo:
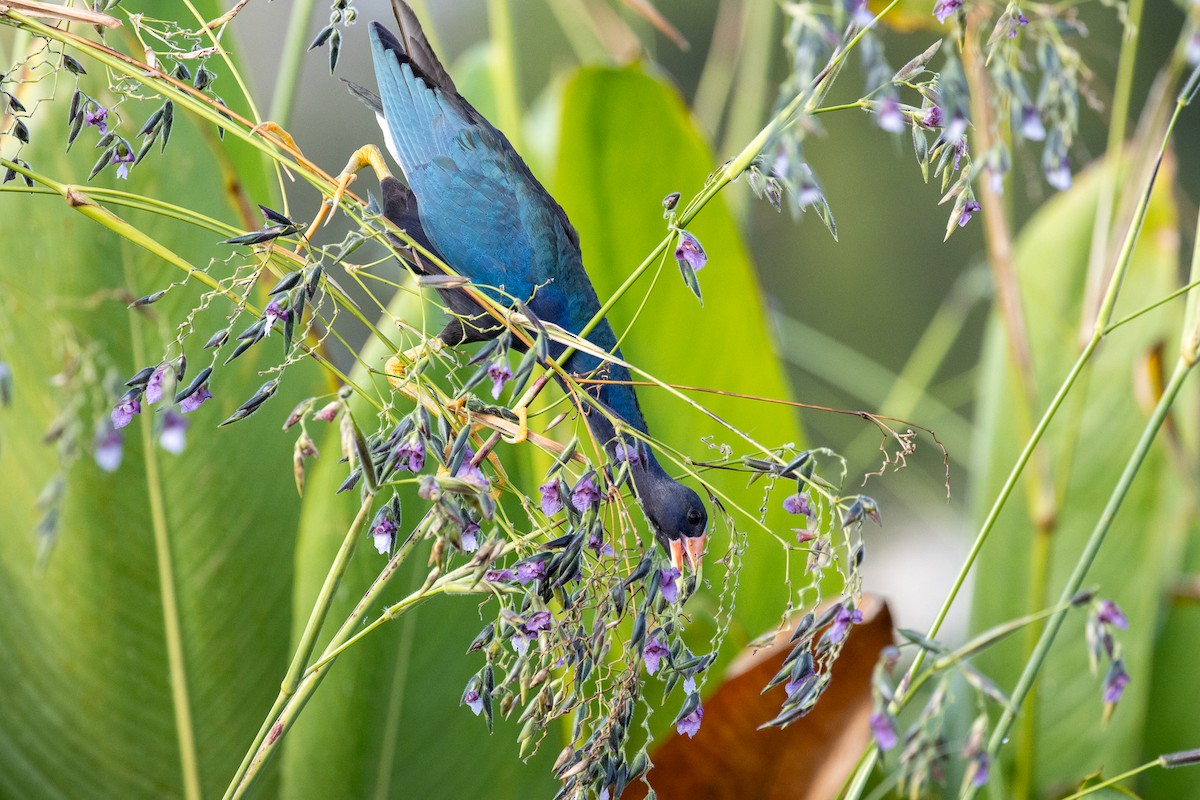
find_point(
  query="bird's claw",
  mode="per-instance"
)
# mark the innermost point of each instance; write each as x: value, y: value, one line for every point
x: 275, y: 130
x: 397, y: 367
x: 522, y: 433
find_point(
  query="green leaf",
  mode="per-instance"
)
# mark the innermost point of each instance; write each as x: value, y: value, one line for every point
x: 87, y: 709
x: 1088, y: 447
x: 387, y: 720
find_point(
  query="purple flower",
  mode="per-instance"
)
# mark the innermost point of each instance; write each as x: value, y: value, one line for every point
x: 945, y: 8
x: 1059, y: 176
x: 471, y: 473
x: 584, y: 494
x: 689, y: 684
x: 499, y: 575
x: 1115, y: 682
x: 1109, y: 613
x: 108, y: 447
x: 797, y: 504
x: 428, y: 489
x: 888, y: 115
x: 274, y: 311
x: 1032, y: 129
x: 329, y: 412
x: 97, y: 118
x: 123, y: 157
x: 654, y: 652
x: 690, y: 725
x: 551, y: 500
x: 154, y: 387
x: 842, y: 621
x: 500, y: 374
x: 470, y: 537
x: 528, y: 632
x: 932, y: 118
x: 472, y: 700
x: 804, y: 535
x: 173, y: 434
x: 384, y: 534
x: 954, y: 132
x: 883, y: 728
x: 1192, y: 50
x: 667, y: 584
x: 195, y: 399
x: 627, y: 452
x: 689, y: 252
x: 979, y: 769
x: 960, y: 152
x: 410, y: 455
x: 126, y: 407
x: 602, y: 548
x: 970, y: 207
x: 529, y: 571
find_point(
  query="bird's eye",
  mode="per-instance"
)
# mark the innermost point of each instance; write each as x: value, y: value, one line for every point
x: 694, y: 517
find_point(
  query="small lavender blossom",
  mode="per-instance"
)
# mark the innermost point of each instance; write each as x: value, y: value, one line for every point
x: 500, y: 374
x: 472, y: 700
x: 274, y: 311
x: 123, y: 157
x: 97, y: 119
x: 384, y: 534
x: 668, y: 584
x: 428, y: 489
x: 470, y: 537
x: 626, y: 452
x: 960, y: 152
x: 883, y: 728
x: 597, y: 544
x: 654, y: 652
x: 689, y: 252
x: 410, y: 455
x: 945, y: 8
x: 528, y: 632
x: 471, y: 473
x: 584, y: 494
x: 195, y: 399
x: 1115, y: 682
x: 1059, y: 176
x: 689, y: 684
x: 970, y: 207
x: 499, y: 576
x: 108, y: 447
x: 126, y: 407
x: 797, y: 504
x: 979, y: 769
x: 1032, y: 129
x: 173, y: 434
x: 1192, y: 51
x: 1109, y: 613
x: 842, y: 621
x: 804, y: 535
x: 954, y: 132
x: 551, y: 500
x: 329, y: 412
x: 690, y: 725
x: 154, y: 386
x: 932, y: 118
x: 529, y: 571
x: 888, y: 115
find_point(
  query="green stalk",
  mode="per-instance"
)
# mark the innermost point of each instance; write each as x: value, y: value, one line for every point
x: 1029, y: 674
x: 185, y: 728
x: 295, y: 44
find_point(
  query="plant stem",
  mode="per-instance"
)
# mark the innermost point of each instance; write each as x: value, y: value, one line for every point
x: 290, y: 68
x: 185, y: 728
x: 1029, y: 674
x: 504, y: 70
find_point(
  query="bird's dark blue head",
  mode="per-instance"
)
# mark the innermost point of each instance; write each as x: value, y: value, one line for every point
x: 678, y: 517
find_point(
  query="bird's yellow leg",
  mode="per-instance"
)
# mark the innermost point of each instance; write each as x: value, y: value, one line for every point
x: 522, y: 412
x: 365, y: 156
x: 397, y: 366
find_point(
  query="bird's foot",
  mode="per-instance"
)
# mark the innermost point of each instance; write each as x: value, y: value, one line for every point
x: 397, y: 367
x: 275, y: 130
x: 522, y: 433
x: 365, y: 156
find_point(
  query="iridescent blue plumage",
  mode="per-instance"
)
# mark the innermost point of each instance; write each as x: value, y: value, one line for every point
x: 472, y: 198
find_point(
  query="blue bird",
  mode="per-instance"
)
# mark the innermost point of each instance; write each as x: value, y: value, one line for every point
x: 472, y: 201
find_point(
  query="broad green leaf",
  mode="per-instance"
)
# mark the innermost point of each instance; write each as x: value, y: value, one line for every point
x: 1088, y: 446
x: 387, y: 720
x: 87, y: 709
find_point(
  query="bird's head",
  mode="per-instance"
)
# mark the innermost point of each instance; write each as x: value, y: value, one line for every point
x: 679, y: 519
